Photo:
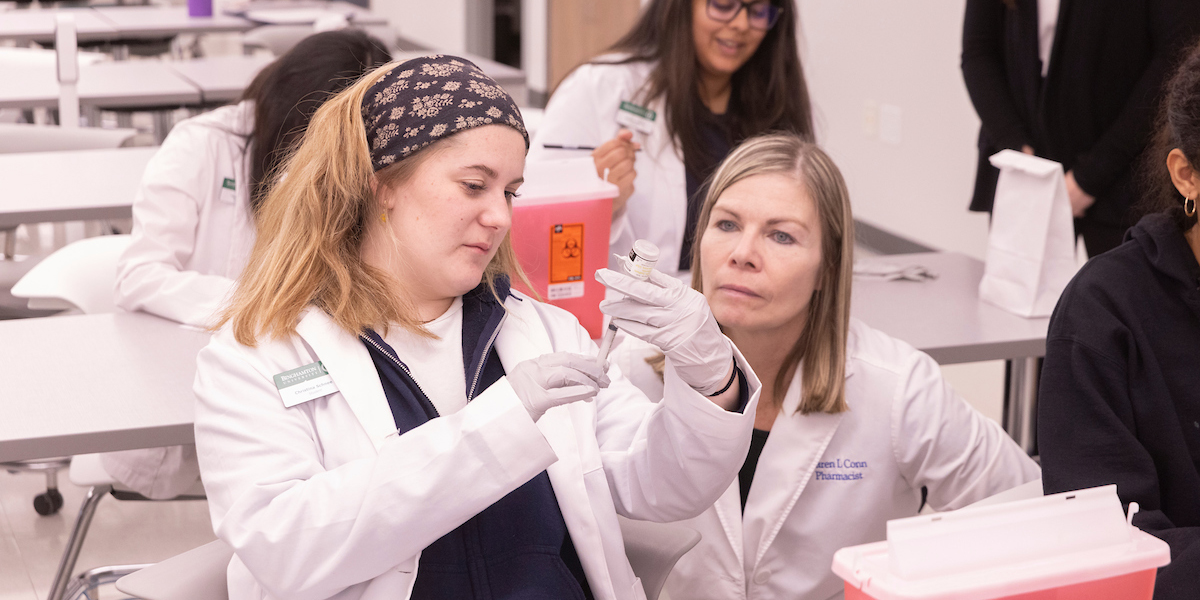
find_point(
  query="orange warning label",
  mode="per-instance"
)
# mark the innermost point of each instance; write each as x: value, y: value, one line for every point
x: 566, y: 253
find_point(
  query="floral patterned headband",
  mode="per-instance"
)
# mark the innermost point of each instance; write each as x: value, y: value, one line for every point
x: 430, y: 98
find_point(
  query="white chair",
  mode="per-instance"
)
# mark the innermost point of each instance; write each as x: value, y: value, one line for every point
x: 77, y: 277
x: 654, y: 548
x: 25, y: 137
x: 276, y: 39
x: 87, y: 471
x: 199, y: 574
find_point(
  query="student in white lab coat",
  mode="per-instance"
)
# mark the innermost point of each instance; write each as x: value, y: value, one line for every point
x: 852, y: 423
x: 381, y: 416
x: 194, y: 214
x: 713, y: 73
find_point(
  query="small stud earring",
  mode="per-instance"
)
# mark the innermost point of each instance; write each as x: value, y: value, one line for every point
x: 1189, y: 207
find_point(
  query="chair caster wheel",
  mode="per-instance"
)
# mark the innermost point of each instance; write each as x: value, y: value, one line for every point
x: 48, y: 503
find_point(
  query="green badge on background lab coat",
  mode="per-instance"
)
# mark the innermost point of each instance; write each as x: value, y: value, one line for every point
x: 636, y: 118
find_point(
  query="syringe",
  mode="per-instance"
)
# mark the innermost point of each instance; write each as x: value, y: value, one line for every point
x: 642, y: 258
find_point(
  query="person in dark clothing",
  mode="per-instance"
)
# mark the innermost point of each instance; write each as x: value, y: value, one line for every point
x: 1119, y: 401
x: 1078, y: 85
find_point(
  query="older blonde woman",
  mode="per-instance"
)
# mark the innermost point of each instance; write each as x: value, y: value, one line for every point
x: 382, y: 417
x: 852, y: 424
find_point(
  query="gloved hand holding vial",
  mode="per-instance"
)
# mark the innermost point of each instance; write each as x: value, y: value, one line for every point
x: 661, y: 310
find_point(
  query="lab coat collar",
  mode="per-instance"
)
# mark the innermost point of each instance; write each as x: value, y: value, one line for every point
x: 524, y: 337
x: 779, y: 479
x: 350, y: 366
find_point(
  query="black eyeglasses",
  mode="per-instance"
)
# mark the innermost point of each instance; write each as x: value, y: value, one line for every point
x: 761, y: 14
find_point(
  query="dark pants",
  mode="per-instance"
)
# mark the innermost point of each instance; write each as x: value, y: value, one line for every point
x: 1099, y: 237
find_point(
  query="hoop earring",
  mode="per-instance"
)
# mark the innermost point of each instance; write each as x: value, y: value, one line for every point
x: 1189, y: 207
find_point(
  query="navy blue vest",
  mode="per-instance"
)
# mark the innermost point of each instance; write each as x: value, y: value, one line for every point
x: 517, y: 548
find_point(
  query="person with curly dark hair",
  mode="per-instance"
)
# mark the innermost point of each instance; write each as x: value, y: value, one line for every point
x: 1118, y: 400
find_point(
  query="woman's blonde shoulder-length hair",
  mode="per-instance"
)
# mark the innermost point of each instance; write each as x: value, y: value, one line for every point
x: 311, y: 230
x: 821, y: 350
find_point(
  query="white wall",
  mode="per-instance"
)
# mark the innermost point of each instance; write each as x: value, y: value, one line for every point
x: 441, y: 25
x: 864, y: 56
x: 535, y: 41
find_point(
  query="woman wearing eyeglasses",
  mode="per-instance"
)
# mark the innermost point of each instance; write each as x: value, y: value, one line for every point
x: 691, y: 80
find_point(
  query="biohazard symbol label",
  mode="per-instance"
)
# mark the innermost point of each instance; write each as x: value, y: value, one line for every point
x: 566, y: 253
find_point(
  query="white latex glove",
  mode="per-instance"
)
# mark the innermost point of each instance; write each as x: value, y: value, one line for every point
x: 554, y: 379
x: 676, y: 318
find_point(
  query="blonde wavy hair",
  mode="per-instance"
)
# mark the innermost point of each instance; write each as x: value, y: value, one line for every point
x: 821, y: 350
x: 311, y: 230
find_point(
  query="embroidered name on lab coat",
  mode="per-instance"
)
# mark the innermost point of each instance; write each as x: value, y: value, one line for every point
x: 840, y: 469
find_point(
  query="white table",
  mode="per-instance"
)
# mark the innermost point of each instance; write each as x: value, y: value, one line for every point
x: 292, y: 12
x: 34, y: 25
x: 124, y: 84
x: 946, y: 319
x: 69, y: 186
x: 220, y: 79
x: 95, y: 383
x: 116, y: 23
x: 150, y: 22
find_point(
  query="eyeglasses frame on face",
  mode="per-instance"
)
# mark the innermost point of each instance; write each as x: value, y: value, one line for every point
x: 743, y: 5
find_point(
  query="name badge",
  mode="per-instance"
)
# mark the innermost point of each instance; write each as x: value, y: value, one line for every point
x: 304, y: 383
x: 636, y: 118
x: 228, y: 192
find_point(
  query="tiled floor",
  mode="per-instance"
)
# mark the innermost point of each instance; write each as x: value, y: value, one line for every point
x: 122, y: 532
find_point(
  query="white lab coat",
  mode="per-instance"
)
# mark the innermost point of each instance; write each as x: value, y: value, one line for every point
x: 906, y: 428
x: 192, y: 236
x: 324, y: 500
x: 583, y: 112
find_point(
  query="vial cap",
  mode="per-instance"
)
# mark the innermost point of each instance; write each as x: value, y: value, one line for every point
x: 644, y: 250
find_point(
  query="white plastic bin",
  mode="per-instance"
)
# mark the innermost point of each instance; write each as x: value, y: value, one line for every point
x: 1070, y: 546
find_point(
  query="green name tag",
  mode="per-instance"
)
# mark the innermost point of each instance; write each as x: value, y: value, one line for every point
x: 636, y: 118
x: 640, y: 111
x: 228, y: 183
x: 304, y: 383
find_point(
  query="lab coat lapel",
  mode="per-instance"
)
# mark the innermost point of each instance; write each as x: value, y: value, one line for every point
x: 350, y: 366
x: 781, y: 475
x: 729, y: 513
x: 523, y: 336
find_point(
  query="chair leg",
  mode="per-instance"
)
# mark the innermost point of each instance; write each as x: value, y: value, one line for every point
x: 10, y: 242
x: 90, y: 581
x: 49, y: 502
x: 66, y: 565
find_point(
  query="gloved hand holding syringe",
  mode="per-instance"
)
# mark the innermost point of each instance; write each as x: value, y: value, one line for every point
x: 642, y: 259
x: 661, y: 310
